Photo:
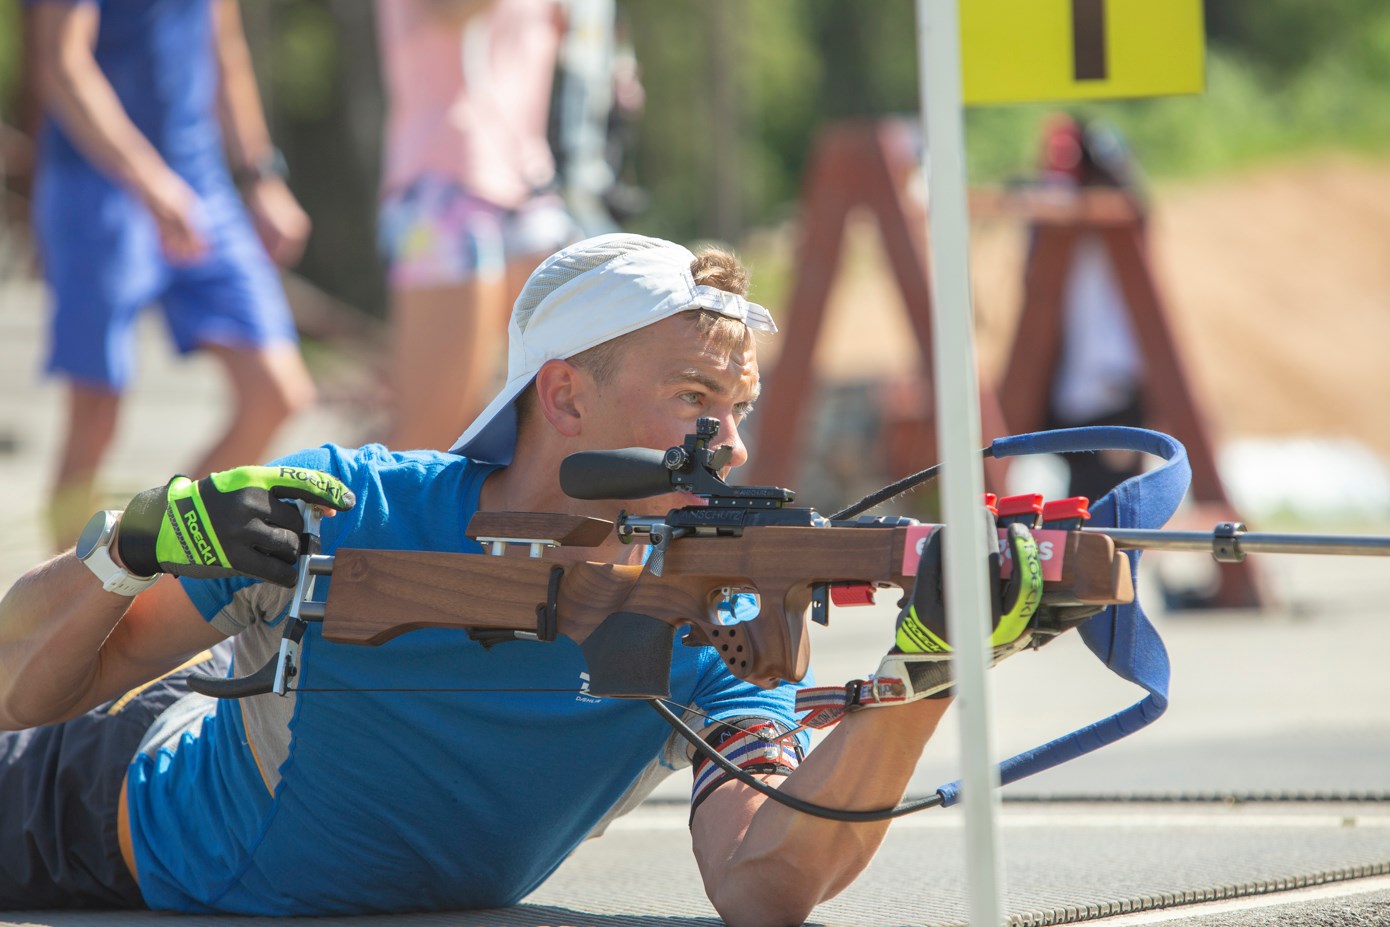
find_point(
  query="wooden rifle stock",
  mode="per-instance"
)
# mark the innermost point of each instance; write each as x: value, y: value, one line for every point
x: 376, y: 595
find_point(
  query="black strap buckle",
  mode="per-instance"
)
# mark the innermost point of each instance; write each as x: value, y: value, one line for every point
x: 547, y: 615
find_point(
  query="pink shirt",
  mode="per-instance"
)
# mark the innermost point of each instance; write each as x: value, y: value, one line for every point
x: 469, y: 103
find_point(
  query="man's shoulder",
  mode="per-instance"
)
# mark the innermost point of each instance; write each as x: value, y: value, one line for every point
x: 341, y: 461
x: 405, y: 499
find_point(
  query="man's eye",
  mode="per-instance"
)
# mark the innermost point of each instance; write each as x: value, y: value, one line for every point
x: 692, y: 398
x: 743, y: 409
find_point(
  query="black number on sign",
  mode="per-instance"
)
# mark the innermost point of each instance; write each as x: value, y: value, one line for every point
x: 1088, y: 39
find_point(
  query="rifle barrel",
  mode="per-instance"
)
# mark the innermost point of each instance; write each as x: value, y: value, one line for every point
x: 1250, y: 542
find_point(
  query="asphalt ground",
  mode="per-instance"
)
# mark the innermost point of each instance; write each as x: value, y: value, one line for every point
x: 1259, y: 798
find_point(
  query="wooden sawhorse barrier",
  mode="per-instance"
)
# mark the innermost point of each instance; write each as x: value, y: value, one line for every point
x: 869, y: 164
x: 872, y: 164
x: 1060, y: 218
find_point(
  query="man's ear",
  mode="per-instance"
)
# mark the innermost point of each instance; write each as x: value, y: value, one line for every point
x: 559, y: 387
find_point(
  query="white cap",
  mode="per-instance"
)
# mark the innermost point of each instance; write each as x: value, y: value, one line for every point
x: 589, y: 293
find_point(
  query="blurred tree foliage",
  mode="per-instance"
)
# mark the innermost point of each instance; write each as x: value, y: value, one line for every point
x: 317, y: 64
x: 11, y: 57
x: 1283, y: 37
x: 1283, y: 76
x: 738, y: 89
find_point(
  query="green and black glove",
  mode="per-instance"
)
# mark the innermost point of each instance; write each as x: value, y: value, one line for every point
x: 922, y: 625
x: 920, y: 659
x: 231, y: 523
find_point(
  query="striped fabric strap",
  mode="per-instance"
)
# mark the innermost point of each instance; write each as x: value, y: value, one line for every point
x: 762, y: 747
x: 901, y: 678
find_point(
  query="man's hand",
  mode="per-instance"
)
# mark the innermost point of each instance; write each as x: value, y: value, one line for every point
x: 175, y: 206
x: 922, y: 625
x: 282, y: 225
x: 232, y: 523
x: 920, y: 658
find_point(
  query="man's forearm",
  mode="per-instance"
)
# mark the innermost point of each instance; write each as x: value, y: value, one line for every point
x: 53, y: 623
x: 239, y: 98
x: 865, y: 763
x: 84, y: 103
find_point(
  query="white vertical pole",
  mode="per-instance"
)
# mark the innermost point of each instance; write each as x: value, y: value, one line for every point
x: 958, y: 436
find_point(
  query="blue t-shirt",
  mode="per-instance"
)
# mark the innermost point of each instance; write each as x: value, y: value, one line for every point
x: 413, y: 798
x: 160, y: 58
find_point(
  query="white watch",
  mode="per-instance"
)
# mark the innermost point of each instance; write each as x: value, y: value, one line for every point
x: 94, y: 549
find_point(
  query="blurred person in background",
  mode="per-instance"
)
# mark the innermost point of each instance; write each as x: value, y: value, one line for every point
x: 1100, y: 370
x: 136, y: 202
x: 469, y: 204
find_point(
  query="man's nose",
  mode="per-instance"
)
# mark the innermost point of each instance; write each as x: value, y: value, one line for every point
x: 728, y: 435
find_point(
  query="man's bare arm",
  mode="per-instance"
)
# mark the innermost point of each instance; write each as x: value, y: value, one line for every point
x: 78, y: 95
x: 280, y: 222
x: 67, y: 645
x: 239, y: 99
x: 745, y: 843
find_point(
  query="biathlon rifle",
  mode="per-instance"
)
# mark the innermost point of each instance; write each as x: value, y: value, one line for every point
x: 741, y: 539
x: 750, y: 539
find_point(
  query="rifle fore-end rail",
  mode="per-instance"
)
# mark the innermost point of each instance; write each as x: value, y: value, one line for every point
x: 376, y: 595
x: 1241, y: 542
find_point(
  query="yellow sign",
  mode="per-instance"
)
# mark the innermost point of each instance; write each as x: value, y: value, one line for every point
x: 1014, y: 51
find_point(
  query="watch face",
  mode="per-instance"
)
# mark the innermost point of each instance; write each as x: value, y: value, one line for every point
x: 92, y: 535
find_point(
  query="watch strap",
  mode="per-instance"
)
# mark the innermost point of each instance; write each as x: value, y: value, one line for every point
x: 269, y: 165
x: 123, y: 582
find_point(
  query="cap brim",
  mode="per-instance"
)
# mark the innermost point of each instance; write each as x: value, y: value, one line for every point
x: 492, y: 436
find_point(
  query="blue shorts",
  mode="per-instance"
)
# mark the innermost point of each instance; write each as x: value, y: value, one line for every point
x: 102, y: 260
x: 435, y: 233
x: 59, y: 790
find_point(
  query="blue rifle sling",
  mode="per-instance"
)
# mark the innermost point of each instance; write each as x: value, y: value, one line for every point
x: 1121, y: 636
